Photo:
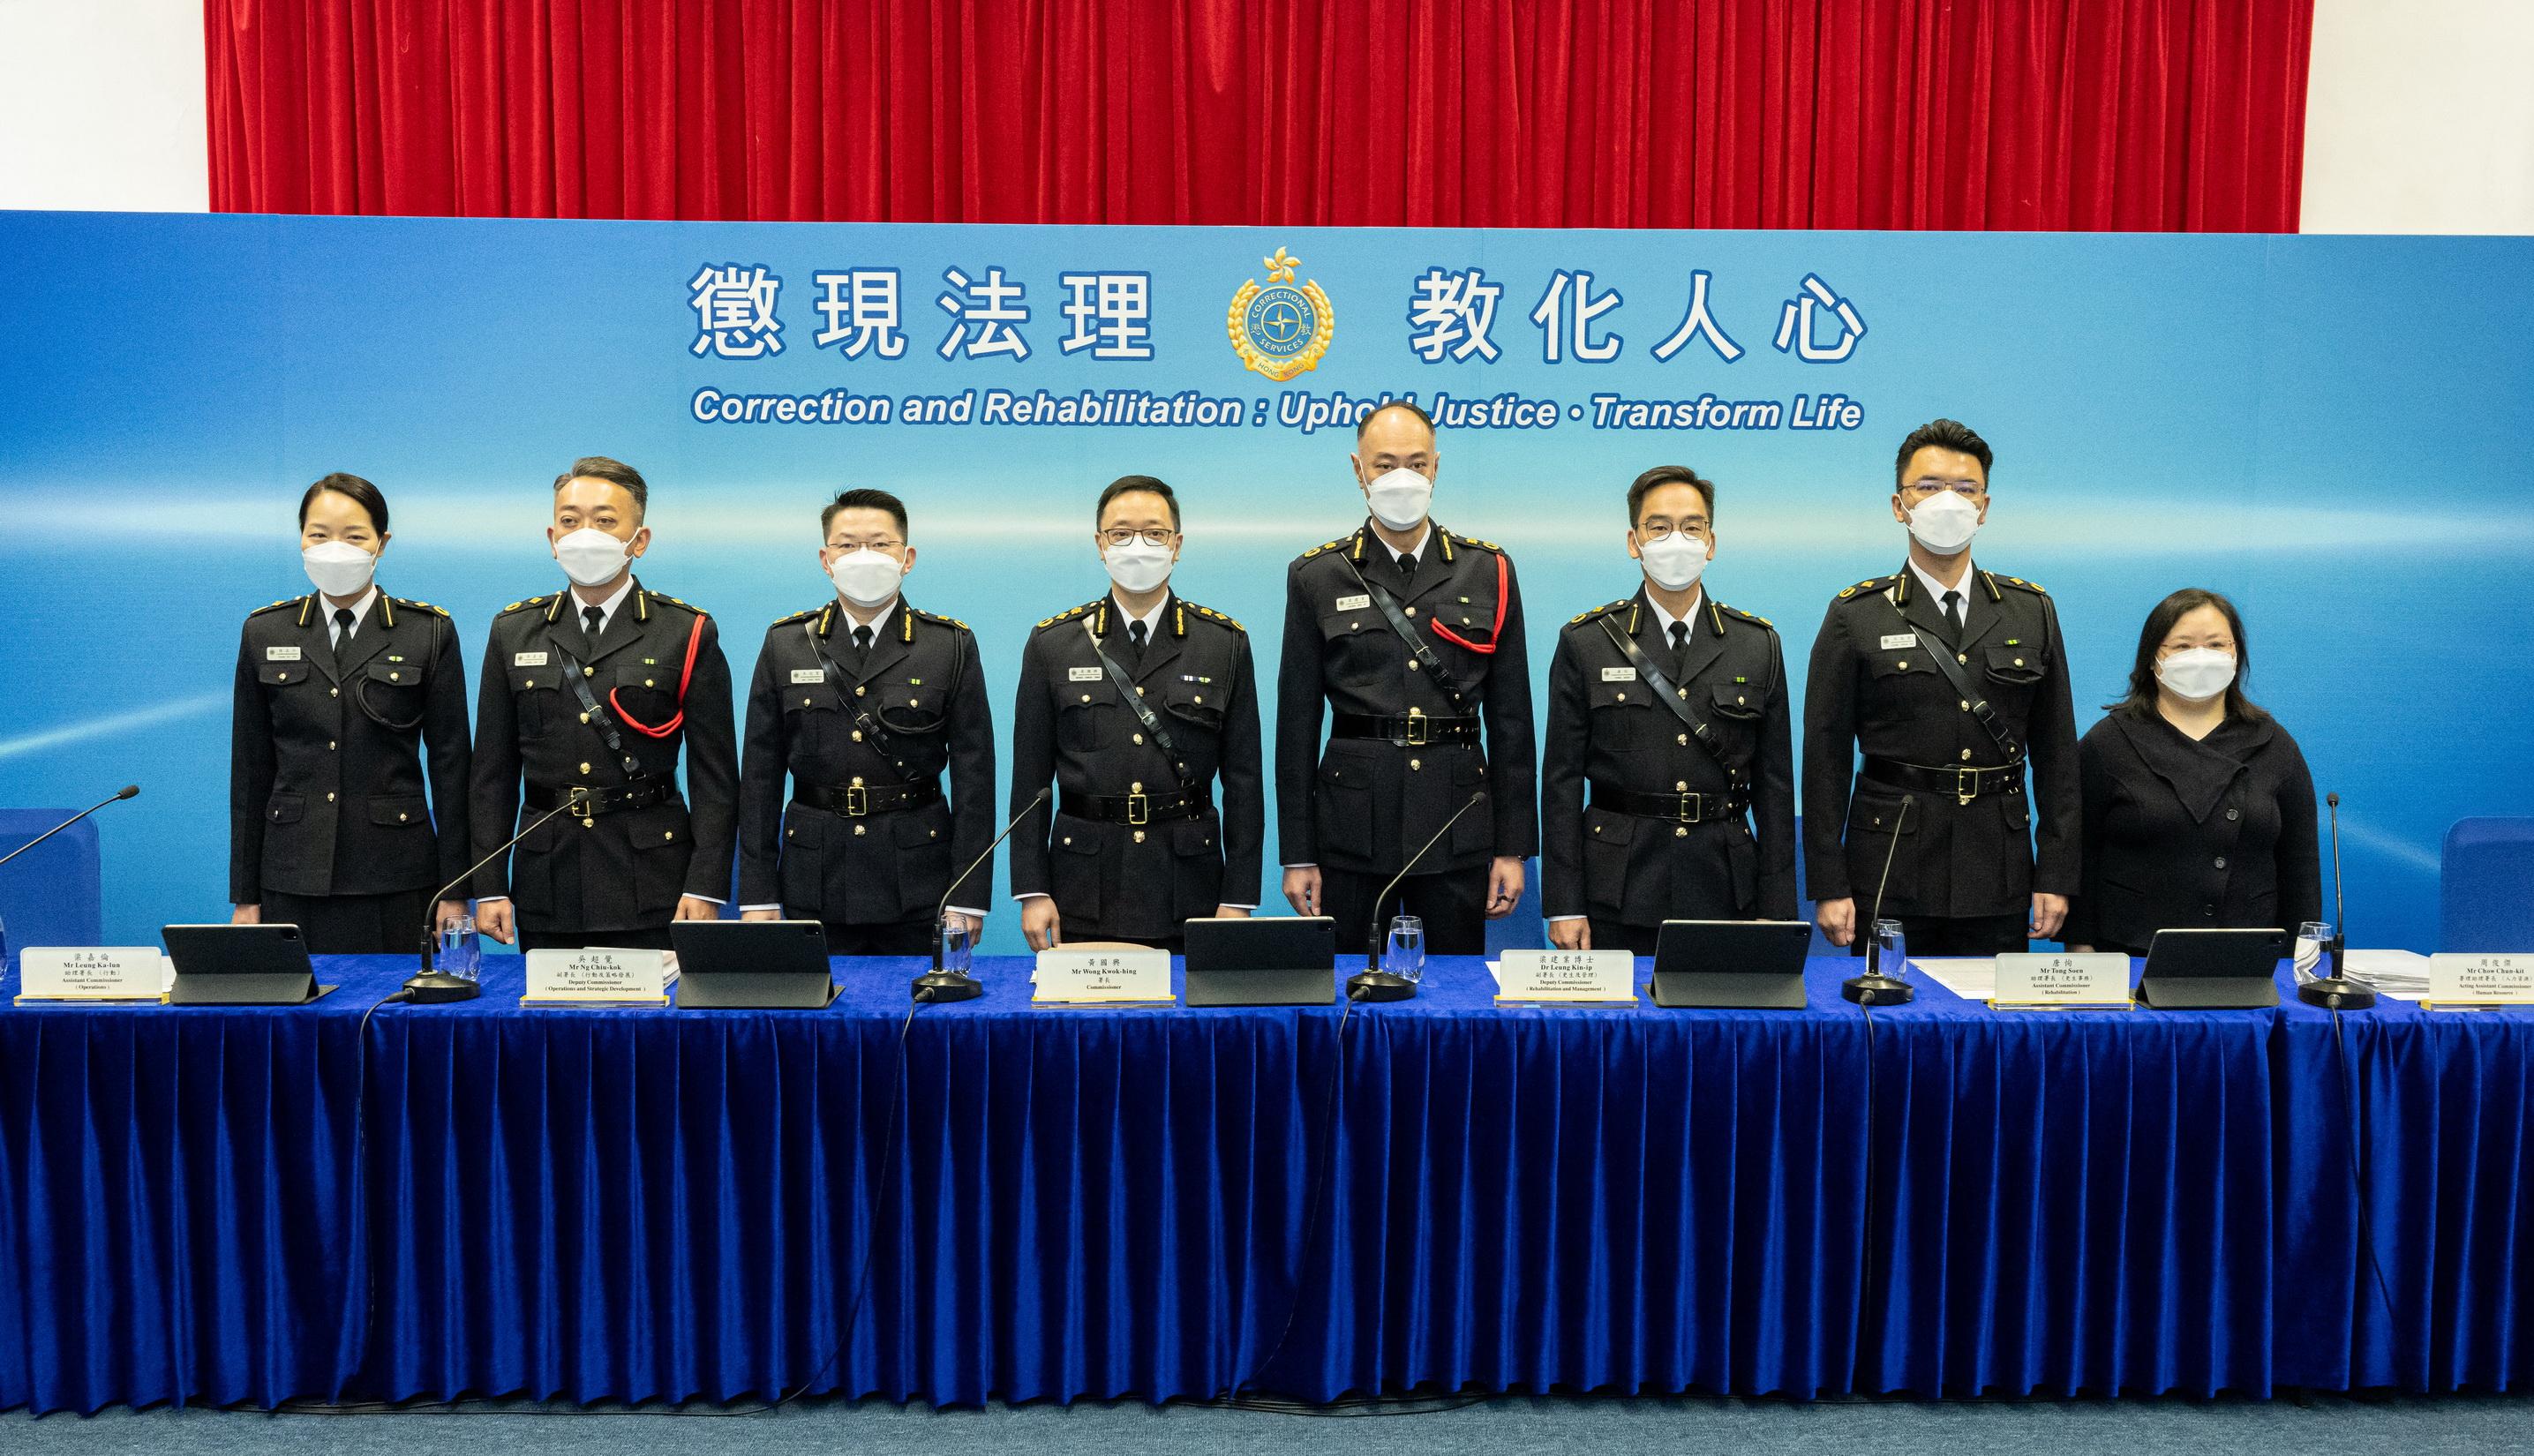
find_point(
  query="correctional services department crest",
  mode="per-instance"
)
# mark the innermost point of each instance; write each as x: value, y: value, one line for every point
x: 1280, y: 330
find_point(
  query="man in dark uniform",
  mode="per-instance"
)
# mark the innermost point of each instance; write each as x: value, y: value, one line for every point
x: 865, y: 701
x: 346, y: 700
x: 1411, y: 639
x: 1672, y: 708
x: 1952, y: 680
x: 1134, y: 704
x: 601, y: 688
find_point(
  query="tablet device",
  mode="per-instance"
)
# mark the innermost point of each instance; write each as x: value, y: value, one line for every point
x: 2195, y: 970
x: 1753, y: 963
x: 1281, y: 960
x: 752, y: 964
x: 239, y: 965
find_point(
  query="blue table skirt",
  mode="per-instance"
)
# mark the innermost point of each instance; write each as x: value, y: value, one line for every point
x: 595, y: 1204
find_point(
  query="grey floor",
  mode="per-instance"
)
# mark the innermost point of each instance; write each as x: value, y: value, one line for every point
x: 1530, y: 1426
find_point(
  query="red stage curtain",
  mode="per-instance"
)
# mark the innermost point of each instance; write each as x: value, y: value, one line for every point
x: 2045, y: 114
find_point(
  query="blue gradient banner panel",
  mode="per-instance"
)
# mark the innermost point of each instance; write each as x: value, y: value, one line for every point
x: 2333, y: 431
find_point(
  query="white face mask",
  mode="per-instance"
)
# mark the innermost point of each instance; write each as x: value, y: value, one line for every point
x: 1400, y: 497
x: 338, y: 568
x: 590, y: 557
x: 1674, y: 563
x: 1137, y: 566
x: 2196, y: 673
x: 1945, y: 525
x: 866, y: 578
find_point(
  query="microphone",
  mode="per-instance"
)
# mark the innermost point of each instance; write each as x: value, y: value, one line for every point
x: 2337, y: 991
x: 428, y: 986
x: 126, y: 792
x: 1373, y: 984
x: 938, y: 985
x: 1874, y: 987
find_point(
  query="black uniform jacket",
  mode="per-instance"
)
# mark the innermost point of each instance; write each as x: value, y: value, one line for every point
x: 901, y: 716
x: 1116, y: 877
x: 1364, y: 804
x: 2213, y: 834
x: 1874, y: 689
x: 327, y: 757
x: 624, y: 869
x: 1607, y: 729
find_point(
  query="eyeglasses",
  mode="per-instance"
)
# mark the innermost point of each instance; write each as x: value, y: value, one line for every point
x: 877, y: 543
x: 1931, y: 485
x: 1122, y: 535
x: 1659, y: 530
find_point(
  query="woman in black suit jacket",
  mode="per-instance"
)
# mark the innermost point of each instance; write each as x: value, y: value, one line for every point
x: 2199, y: 810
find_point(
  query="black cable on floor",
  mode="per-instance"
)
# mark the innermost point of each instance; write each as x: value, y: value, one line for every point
x: 2358, y: 1157
x: 360, y: 1220
x: 1865, y: 1229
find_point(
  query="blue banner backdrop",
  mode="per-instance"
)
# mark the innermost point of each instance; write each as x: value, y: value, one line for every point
x: 2333, y: 430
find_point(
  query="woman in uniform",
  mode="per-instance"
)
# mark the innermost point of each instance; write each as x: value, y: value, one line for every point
x: 348, y: 702
x: 2199, y: 809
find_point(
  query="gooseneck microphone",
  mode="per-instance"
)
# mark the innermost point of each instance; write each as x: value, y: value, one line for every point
x: 936, y: 984
x: 1876, y: 988
x: 429, y: 987
x: 2337, y: 992
x: 126, y: 792
x: 1373, y: 984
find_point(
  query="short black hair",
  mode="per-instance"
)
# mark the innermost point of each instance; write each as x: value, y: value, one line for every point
x: 614, y: 472
x: 2139, y: 703
x: 863, y: 498
x: 1669, y: 476
x: 353, y: 488
x: 1127, y: 485
x: 1410, y: 405
x: 1951, y: 435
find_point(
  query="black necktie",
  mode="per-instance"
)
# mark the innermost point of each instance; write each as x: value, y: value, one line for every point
x: 1954, y: 613
x: 1679, y: 638
x: 1407, y: 566
x: 1135, y: 635
x: 862, y: 642
x: 343, y: 627
x: 591, y: 620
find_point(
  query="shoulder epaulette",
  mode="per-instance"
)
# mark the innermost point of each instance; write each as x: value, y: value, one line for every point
x: 407, y: 601
x: 1474, y: 541
x: 1211, y: 615
x: 2033, y: 586
x: 1601, y: 610
x: 662, y: 597
x: 1747, y: 616
x: 1870, y: 584
x: 534, y: 601
x: 1069, y: 613
x: 1326, y: 546
x: 288, y: 601
x: 944, y: 621
x: 798, y: 617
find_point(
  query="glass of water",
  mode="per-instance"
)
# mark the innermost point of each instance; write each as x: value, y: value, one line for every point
x: 2311, y: 937
x: 460, y: 951
x: 958, y: 944
x: 1403, y: 952
x: 1890, y: 950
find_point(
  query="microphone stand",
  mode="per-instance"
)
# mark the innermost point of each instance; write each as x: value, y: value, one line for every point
x: 2337, y: 992
x: 1372, y: 983
x: 126, y: 792
x: 431, y: 987
x: 1875, y: 988
x: 937, y: 984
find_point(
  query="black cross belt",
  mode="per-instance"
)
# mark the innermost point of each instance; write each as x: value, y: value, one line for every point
x: 853, y: 801
x: 640, y: 792
x: 1132, y: 809
x: 1682, y: 807
x: 1408, y: 730
x: 1964, y: 783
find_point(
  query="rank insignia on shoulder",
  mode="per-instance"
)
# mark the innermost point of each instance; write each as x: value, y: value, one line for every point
x: 1324, y: 546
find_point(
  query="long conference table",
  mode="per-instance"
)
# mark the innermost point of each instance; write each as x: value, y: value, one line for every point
x: 256, y: 1205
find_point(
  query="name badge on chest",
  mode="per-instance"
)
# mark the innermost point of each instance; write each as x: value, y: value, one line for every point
x: 1900, y: 639
x: 1618, y: 675
x: 1354, y: 603
x: 527, y: 660
x: 801, y: 676
x: 282, y: 654
x: 1083, y: 675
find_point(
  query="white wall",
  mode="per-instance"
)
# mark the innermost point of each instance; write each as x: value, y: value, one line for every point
x: 102, y: 106
x: 2418, y: 117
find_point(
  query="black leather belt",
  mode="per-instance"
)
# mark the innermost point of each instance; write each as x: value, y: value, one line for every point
x: 1132, y: 809
x: 1410, y: 730
x: 1684, y: 809
x: 640, y: 792
x: 853, y: 801
x: 1964, y: 783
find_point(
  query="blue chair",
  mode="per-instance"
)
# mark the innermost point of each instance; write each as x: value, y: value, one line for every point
x: 2488, y: 886
x: 54, y: 894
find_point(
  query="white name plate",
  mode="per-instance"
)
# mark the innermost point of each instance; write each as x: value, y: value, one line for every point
x: 2467, y: 979
x: 2062, y: 980
x: 1568, y: 976
x: 600, y: 977
x: 1085, y: 978
x: 136, y: 973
